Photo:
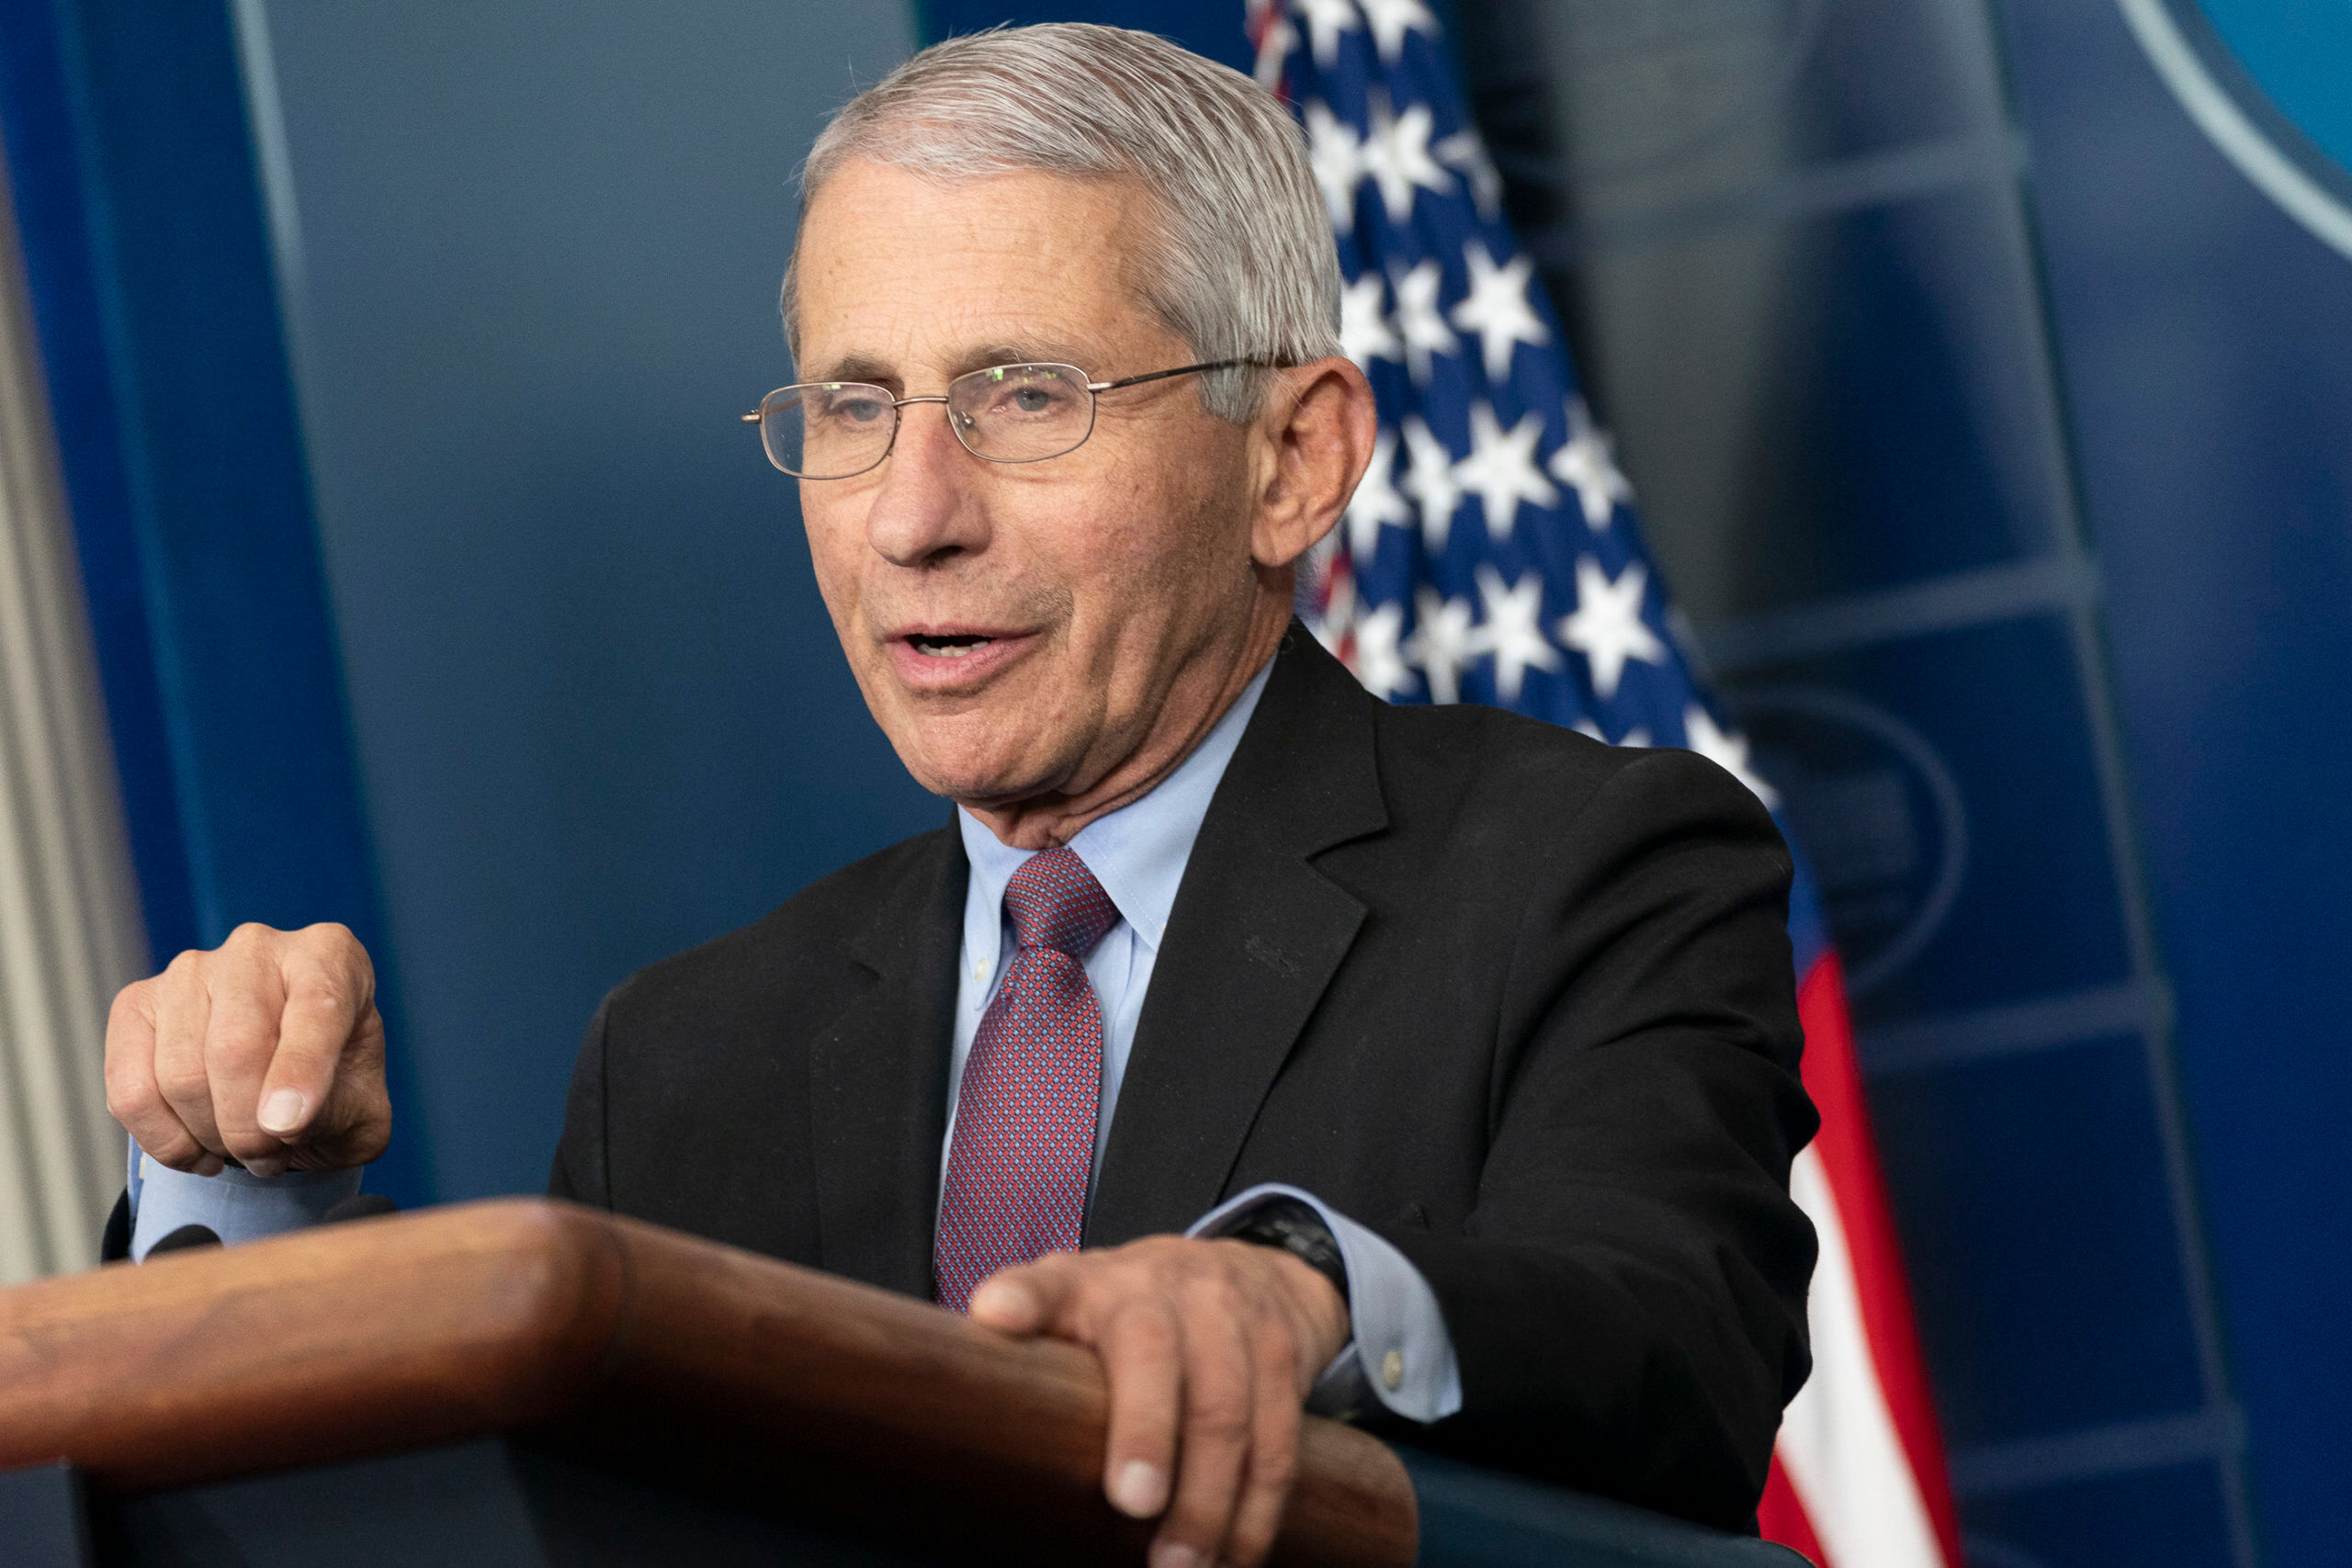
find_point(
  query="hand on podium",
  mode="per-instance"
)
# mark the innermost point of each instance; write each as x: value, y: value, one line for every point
x: 1219, y: 1340
x: 267, y: 1051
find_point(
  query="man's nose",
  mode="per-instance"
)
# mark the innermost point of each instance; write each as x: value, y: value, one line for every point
x: 927, y: 506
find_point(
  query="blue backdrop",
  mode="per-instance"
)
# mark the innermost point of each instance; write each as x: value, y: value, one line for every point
x: 396, y: 353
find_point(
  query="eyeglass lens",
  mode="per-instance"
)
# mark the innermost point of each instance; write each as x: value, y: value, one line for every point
x: 1008, y: 414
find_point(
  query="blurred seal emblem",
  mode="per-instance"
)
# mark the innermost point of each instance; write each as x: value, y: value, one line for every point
x: 1878, y: 813
x: 2264, y: 79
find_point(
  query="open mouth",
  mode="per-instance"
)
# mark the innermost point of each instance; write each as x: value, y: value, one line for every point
x: 954, y: 646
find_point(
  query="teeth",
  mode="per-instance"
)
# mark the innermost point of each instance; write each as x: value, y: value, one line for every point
x: 933, y: 648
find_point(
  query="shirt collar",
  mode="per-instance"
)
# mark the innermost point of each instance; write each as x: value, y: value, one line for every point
x: 1136, y: 852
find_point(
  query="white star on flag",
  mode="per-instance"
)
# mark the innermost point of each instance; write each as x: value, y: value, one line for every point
x: 1375, y: 500
x: 1607, y: 627
x: 1364, y: 332
x: 1334, y: 154
x: 1500, y: 470
x: 1496, y: 309
x: 1514, y: 629
x: 1442, y: 643
x: 1727, y: 749
x: 1392, y: 19
x: 1396, y: 155
x: 1419, y: 321
x: 1326, y: 20
x: 1429, y: 479
x: 1587, y: 465
x: 1466, y: 156
x: 1379, y: 665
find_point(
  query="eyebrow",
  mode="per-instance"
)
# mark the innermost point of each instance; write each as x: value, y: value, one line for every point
x: 880, y: 373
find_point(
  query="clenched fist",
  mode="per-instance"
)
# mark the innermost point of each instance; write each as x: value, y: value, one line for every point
x: 267, y: 1050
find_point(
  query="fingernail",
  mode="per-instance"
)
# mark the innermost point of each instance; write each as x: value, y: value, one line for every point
x: 282, y: 1111
x: 1139, y: 1490
x: 274, y: 1166
x: 1174, y: 1554
x: 210, y: 1165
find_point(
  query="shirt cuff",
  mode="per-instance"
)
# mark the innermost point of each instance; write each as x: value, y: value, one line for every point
x: 235, y: 1205
x: 1401, y: 1356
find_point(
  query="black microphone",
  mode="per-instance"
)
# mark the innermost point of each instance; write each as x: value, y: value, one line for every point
x: 185, y: 1237
x: 359, y: 1206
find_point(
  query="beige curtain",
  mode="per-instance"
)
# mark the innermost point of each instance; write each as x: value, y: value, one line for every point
x: 70, y: 933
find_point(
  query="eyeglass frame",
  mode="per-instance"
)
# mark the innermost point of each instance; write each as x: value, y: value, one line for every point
x: 1093, y: 389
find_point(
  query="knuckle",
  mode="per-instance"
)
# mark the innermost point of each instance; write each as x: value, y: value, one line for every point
x: 176, y: 1150
x: 1276, y: 1466
x: 1219, y: 1413
x: 1215, y: 1295
x: 233, y: 1048
x: 182, y: 1083
x: 131, y: 1101
x: 340, y: 950
x: 318, y: 999
x: 129, y: 1003
x: 1144, y: 1323
x: 186, y: 964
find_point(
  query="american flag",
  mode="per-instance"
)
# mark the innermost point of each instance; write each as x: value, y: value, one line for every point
x: 1492, y: 555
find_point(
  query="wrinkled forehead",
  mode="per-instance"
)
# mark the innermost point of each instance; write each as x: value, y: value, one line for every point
x: 897, y: 272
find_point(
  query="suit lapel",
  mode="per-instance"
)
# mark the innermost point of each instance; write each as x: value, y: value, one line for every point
x: 878, y: 1082
x: 1254, y: 938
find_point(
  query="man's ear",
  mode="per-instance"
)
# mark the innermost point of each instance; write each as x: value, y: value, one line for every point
x: 1314, y: 439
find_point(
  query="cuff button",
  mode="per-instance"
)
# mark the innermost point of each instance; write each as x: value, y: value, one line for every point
x: 1392, y: 1370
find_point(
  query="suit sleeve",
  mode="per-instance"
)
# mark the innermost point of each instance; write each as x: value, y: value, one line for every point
x: 582, y: 1172
x: 1626, y: 1300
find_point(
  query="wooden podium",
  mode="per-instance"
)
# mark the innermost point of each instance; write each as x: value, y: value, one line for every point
x: 528, y: 1382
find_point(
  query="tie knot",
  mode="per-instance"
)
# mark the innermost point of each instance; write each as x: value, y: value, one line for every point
x: 1055, y: 902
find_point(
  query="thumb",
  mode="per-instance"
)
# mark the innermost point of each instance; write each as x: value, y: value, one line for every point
x: 354, y: 1123
x: 1017, y: 1301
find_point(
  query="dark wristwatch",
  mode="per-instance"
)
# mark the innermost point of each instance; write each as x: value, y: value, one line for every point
x: 1298, y: 1229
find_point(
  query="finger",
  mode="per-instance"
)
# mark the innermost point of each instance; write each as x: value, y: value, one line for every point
x: 1031, y: 1298
x: 356, y: 1125
x: 183, y: 1013
x: 1219, y: 1403
x: 1142, y: 1350
x: 240, y: 1037
x: 132, y: 1096
x: 1274, y: 1447
x: 329, y: 990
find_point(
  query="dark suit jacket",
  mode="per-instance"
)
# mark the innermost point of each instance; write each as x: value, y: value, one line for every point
x: 1520, y: 1002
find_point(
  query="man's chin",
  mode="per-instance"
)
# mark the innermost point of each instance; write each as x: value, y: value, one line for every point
x: 982, y: 777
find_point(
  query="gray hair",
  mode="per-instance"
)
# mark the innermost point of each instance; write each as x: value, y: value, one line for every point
x: 1246, y: 267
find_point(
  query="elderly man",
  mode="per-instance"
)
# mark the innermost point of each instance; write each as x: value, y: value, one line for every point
x: 1429, y: 1065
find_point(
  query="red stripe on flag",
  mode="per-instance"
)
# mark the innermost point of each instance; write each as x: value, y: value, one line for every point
x: 1849, y: 1156
x: 1781, y: 1517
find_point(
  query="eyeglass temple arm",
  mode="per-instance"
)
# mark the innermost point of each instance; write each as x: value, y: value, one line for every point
x: 1188, y: 370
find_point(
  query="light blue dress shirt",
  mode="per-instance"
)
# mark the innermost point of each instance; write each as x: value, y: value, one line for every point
x: 1401, y: 1354
x: 234, y: 1205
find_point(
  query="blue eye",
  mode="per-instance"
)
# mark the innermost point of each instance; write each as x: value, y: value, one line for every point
x: 852, y: 408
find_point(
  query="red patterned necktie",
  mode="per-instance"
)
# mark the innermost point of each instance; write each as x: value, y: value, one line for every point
x: 1018, y: 1166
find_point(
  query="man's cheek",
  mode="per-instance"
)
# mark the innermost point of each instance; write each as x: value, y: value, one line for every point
x: 836, y: 571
